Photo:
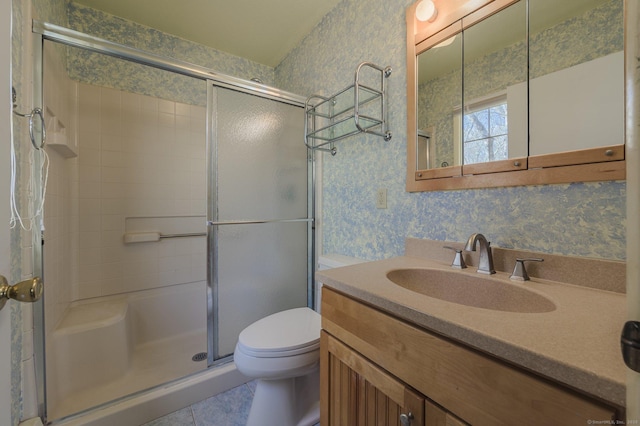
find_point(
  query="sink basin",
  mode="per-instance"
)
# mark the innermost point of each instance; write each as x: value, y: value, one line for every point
x: 471, y: 290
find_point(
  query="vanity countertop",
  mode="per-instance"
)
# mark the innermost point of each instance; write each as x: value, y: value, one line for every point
x: 578, y: 344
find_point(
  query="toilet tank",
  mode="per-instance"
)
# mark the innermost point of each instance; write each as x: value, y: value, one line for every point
x: 329, y: 261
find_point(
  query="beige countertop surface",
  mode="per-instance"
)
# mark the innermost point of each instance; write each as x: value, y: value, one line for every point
x: 577, y: 344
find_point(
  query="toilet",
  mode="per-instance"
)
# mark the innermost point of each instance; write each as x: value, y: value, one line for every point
x: 282, y: 351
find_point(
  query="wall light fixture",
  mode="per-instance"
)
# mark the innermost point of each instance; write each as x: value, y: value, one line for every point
x: 426, y: 11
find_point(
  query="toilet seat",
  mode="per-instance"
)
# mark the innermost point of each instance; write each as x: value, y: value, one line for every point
x: 283, y: 334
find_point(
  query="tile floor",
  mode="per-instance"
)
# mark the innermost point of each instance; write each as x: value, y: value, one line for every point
x: 230, y: 408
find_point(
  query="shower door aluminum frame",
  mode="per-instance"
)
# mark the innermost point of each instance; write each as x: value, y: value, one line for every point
x: 214, y: 356
x: 46, y: 31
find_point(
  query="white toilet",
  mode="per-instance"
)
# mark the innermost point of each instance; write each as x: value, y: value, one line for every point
x: 282, y: 351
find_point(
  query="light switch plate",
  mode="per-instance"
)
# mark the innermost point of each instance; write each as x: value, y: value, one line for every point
x: 381, y: 198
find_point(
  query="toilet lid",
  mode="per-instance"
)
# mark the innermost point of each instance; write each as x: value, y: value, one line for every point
x: 285, y: 333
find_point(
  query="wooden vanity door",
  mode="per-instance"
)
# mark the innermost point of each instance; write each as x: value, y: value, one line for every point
x: 355, y: 392
x: 436, y: 416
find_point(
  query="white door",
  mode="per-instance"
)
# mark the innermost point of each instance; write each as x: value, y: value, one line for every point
x: 632, y: 43
x: 5, y: 116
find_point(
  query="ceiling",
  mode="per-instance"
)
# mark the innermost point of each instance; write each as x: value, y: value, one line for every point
x: 264, y: 31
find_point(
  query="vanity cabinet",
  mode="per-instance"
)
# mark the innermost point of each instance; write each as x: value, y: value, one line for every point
x: 361, y: 393
x: 375, y: 367
x: 436, y: 416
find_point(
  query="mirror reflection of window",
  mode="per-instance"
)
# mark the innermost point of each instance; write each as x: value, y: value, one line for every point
x: 485, y: 136
x: 495, y: 78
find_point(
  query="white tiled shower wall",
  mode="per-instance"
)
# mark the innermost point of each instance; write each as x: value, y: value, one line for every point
x: 59, y: 98
x: 139, y: 156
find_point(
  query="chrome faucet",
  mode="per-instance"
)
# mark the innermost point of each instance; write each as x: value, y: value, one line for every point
x: 485, y: 264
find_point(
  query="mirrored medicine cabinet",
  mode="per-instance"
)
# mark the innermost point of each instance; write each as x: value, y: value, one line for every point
x: 515, y: 92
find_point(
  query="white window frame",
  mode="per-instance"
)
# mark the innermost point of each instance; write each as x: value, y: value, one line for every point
x: 475, y: 105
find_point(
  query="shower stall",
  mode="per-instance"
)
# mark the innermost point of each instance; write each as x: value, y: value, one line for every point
x: 178, y: 210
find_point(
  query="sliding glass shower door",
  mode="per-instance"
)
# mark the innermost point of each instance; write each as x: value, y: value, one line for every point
x: 258, y: 212
x: 157, y: 165
x: 125, y: 228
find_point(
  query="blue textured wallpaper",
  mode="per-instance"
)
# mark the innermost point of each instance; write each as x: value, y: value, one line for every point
x: 17, y: 63
x: 573, y: 219
x: 51, y: 11
x: 110, y: 72
x: 578, y: 219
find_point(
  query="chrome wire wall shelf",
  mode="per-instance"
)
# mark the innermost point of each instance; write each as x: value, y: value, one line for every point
x: 359, y: 108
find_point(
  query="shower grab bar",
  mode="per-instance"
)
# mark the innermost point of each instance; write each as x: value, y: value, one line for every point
x: 193, y: 234
x: 154, y: 236
x: 252, y: 222
x: 151, y: 236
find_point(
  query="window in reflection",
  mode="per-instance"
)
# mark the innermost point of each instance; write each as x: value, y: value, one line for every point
x: 485, y: 136
x: 495, y: 80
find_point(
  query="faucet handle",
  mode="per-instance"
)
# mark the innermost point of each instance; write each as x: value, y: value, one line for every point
x: 519, y: 271
x: 458, y: 261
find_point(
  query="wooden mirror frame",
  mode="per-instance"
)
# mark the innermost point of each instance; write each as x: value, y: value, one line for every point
x: 588, y: 165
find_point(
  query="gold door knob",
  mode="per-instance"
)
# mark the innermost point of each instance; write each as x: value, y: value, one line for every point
x: 25, y: 291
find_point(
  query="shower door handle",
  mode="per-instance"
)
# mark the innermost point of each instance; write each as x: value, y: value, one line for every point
x: 25, y: 291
